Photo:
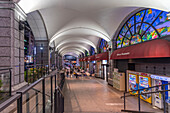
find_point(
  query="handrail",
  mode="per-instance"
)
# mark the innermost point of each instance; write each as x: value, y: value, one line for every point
x: 58, y: 88
x: 5, y: 69
x: 23, y: 91
x: 9, y: 102
x: 19, y: 94
x: 141, y: 93
x: 148, y: 87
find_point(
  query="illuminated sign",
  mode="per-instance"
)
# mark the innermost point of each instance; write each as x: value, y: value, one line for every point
x: 122, y: 54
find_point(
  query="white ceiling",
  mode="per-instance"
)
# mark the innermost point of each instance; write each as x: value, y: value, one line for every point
x: 67, y: 20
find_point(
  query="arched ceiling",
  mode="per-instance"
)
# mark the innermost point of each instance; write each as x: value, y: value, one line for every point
x: 81, y: 46
x: 67, y: 20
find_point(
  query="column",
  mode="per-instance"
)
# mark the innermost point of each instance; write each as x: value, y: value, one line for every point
x: 12, y: 41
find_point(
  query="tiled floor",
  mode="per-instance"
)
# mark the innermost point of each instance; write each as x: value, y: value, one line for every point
x: 91, y: 95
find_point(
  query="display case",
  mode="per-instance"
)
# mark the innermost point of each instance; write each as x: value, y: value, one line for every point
x: 119, y: 81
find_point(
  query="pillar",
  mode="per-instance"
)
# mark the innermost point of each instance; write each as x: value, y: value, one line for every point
x: 12, y: 41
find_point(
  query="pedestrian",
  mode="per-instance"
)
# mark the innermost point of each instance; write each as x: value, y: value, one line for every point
x: 67, y: 73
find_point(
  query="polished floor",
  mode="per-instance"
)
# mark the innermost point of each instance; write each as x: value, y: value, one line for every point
x: 91, y: 95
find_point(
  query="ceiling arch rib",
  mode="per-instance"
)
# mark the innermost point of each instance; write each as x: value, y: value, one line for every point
x: 73, y: 52
x: 73, y: 48
x: 32, y: 5
x: 37, y: 25
x: 75, y: 45
x: 76, y: 40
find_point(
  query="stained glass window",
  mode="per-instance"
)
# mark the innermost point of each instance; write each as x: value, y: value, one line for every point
x: 124, y: 30
x: 103, y: 46
x: 151, y: 15
x: 147, y: 24
x: 135, y: 39
x: 86, y: 53
x: 125, y: 42
x: 150, y: 34
x: 131, y: 22
x: 92, y: 51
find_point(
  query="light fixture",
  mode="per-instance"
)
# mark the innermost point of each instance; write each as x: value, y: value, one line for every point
x: 41, y: 48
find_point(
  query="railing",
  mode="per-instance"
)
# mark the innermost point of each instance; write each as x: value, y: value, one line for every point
x: 58, y: 101
x: 36, y: 98
x: 162, y: 91
x: 34, y: 72
x: 5, y: 84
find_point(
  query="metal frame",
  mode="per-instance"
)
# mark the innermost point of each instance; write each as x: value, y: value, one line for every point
x: 139, y: 106
x: 19, y: 94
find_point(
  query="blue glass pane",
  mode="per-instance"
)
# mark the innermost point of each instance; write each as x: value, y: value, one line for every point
x: 92, y: 51
x: 125, y: 42
x: 162, y: 24
x: 132, y: 29
x: 131, y: 22
x: 143, y: 28
x: 139, y: 16
x: 151, y: 15
x: 138, y: 27
x: 124, y: 30
x: 119, y: 41
x: 150, y: 34
x: 103, y: 46
x: 128, y: 35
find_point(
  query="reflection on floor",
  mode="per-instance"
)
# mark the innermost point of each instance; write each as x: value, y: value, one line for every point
x: 91, y: 95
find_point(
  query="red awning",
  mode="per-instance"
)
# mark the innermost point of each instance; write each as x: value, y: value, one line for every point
x: 151, y: 49
x: 91, y: 58
x: 80, y: 59
x: 85, y: 59
x: 102, y: 56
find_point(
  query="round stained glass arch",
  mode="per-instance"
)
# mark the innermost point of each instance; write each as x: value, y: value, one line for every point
x: 147, y: 24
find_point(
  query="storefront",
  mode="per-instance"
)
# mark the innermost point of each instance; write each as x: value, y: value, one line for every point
x: 92, y: 64
x: 102, y: 65
x: 85, y: 64
x: 154, y: 53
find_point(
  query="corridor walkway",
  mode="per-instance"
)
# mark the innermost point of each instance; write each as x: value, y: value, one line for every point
x: 91, y: 95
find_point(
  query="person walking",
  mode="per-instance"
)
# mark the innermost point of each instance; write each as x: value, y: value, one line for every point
x: 67, y: 73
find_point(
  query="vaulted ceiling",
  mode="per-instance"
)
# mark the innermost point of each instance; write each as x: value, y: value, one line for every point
x: 72, y: 26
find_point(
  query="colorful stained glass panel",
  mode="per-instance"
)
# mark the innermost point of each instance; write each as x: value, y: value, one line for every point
x: 139, y: 16
x: 132, y: 29
x: 143, y: 28
x: 119, y: 41
x: 151, y: 15
x: 128, y: 35
x: 131, y: 22
x: 124, y: 30
x: 150, y: 34
x: 162, y: 24
x: 135, y: 39
x: 138, y: 27
x: 125, y: 42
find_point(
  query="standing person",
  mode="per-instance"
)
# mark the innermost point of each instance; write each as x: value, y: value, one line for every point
x: 71, y: 72
x: 67, y: 73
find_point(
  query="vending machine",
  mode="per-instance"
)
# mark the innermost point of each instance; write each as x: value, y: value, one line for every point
x: 158, y: 98
x: 145, y: 82
x: 133, y: 83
